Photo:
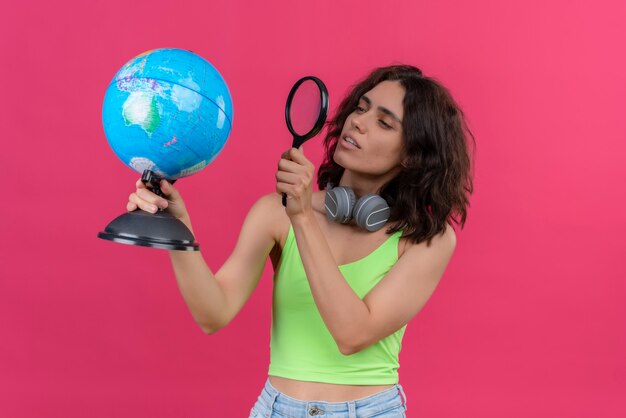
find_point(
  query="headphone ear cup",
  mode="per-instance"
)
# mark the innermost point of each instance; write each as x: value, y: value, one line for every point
x: 371, y: 212
x: 339, y: 203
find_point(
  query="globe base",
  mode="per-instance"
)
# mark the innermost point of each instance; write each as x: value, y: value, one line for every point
x: 155, y: 230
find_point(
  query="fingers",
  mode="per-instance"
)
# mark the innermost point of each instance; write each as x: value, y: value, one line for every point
x: 146, y: 200
x: 288, y: 178
x: 295, y: 172
x: 297, y: 155
x: 293, y: 178
x: 165, y: 186
x: 139, y: 184
x: 289, y: 166
x: 291, y: 190
x: 293, y: 160
x: 168, y: 189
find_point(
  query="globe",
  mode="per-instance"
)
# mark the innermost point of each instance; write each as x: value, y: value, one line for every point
x: 169, y: 111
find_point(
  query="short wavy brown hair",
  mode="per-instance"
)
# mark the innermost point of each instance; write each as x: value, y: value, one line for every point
x: 435, y: 181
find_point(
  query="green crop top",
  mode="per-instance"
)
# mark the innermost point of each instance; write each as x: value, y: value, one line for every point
x: 302, y: 348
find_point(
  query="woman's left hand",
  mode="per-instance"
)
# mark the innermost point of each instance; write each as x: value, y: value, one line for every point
x: 295, y: 177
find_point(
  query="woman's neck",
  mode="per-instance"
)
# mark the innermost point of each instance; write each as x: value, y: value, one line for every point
x: 362, y: 185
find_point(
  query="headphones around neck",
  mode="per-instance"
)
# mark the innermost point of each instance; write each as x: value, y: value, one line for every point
x: 370, y: 212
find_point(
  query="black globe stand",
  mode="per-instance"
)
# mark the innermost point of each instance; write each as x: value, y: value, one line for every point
x: 155, y: 230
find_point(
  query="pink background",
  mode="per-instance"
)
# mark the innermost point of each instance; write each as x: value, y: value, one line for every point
x: 529, y: 318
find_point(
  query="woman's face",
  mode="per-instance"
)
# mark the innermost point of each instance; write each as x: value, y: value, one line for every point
x: 375, y: 125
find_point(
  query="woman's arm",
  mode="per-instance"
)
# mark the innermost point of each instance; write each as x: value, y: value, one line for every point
x: 215, y: 299
x: 354, y: 323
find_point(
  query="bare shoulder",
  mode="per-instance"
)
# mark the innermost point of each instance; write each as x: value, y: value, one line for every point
x: 271, y: 212
x: 447, y: 239
x: 444, y: 242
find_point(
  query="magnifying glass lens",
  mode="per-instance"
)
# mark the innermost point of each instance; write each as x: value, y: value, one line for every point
x: 305, y: 107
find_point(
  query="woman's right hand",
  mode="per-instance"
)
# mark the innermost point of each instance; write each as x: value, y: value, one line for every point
x: 144, y: 198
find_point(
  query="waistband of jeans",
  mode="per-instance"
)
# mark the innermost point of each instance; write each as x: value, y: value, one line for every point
x: 271, y: 395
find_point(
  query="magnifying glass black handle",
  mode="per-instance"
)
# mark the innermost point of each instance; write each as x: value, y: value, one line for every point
x: 300, y: 137
x: 297, y: 141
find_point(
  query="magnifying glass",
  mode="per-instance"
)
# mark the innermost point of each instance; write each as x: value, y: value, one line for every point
x: 306, y: 111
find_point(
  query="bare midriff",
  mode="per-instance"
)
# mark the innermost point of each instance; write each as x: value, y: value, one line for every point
x: 329, y: 392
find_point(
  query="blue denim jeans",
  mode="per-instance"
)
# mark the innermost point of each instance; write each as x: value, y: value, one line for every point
x: 390, y: 403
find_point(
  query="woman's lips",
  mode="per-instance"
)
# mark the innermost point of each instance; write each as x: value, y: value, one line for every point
x: 347, y: 144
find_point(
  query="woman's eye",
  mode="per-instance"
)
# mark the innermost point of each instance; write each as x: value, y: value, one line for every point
x: 360, y: 109
x: 385, y: 125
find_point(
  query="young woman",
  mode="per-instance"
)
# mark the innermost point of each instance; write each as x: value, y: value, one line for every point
x: 353, y: 262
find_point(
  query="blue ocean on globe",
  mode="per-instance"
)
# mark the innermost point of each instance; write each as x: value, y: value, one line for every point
x: 169, y: 111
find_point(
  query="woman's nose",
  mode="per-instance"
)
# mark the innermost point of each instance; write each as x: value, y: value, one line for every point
x: 357, y: 123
